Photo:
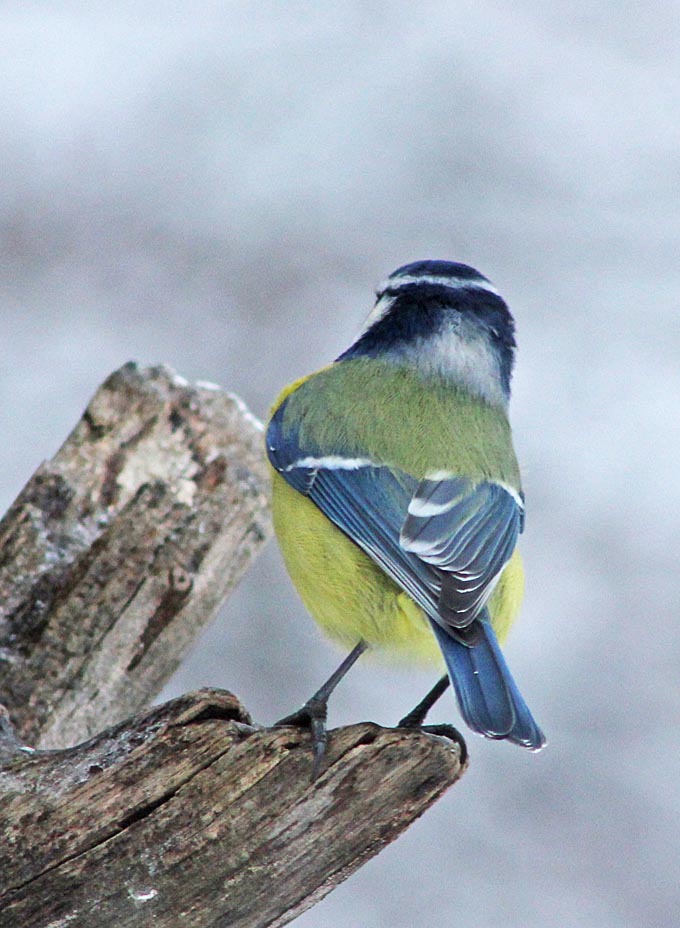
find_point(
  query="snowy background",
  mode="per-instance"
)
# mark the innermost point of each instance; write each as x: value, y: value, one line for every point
x: 220, y: 186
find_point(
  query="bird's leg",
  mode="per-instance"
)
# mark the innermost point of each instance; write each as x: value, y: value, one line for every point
x: 315, y: 711
x: 417, y: 715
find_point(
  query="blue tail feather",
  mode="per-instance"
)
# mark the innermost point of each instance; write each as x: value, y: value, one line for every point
x: 488, y: 697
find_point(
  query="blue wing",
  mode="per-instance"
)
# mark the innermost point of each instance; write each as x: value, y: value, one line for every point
x: 445, y: 542
x: 469, y: 531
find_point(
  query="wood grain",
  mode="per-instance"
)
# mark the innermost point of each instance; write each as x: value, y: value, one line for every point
x: 190, y: 815
x: 122, y: 547
x: 112, y: 559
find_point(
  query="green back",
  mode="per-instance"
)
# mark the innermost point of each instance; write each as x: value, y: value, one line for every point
x: 394, y: 415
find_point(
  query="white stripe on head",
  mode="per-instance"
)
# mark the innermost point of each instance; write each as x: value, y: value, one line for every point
x: 451, y: 283
x: 379, y: 311
x: 385, y: 300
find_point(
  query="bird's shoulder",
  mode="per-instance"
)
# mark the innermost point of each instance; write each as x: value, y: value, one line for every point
x: 292, y: 387
x: 367, y: 392
x: 392, y: 415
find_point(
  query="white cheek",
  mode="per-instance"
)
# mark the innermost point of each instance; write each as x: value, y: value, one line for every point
x: 379, y: 311
x: 469, y: 361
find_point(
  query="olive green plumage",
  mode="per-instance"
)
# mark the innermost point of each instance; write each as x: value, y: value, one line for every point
x: 351, y: 408
x: 391, y: 413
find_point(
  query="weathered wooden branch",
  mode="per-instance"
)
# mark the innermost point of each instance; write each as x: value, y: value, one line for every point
x: 121, y: 548
x: 113, y: 557
x: 188, y: 815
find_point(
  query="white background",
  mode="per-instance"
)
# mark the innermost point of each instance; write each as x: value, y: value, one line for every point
x: 220, y: 186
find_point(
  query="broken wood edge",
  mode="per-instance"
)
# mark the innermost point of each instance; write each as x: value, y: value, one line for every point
x: 179, y: 812
x: 122, y: 547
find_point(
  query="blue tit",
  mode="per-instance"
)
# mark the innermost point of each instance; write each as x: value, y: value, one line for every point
x: 397, y: 497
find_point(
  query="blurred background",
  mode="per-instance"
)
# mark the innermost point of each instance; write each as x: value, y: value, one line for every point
x: 220, y: 186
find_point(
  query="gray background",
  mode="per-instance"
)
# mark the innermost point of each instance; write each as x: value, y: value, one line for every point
x: 220, y: 186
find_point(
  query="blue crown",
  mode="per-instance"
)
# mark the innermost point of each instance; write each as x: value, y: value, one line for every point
x: 422, y: 300
x: 447, y: 274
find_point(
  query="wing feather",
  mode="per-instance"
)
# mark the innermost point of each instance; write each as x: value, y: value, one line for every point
x: 444, y: 540
x: 468, y: 530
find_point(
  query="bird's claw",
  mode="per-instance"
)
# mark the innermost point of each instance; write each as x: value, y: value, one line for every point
x: 313, y: 716
x: 452, y: 733
x: 414, y: 719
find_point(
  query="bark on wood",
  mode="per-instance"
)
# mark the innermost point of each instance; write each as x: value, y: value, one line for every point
x: 111, y: 560
x: 121, y: 548
x: 189, y: 815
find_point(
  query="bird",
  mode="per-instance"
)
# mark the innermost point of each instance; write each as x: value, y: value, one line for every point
x: 397, y: 497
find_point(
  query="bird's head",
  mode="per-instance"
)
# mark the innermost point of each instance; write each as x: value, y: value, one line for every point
x: 444, y: 319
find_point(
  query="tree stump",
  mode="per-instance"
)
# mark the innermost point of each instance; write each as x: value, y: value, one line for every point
x: 117, y: 552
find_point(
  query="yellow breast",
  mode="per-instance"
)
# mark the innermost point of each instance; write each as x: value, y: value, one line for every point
x: 351, y: 598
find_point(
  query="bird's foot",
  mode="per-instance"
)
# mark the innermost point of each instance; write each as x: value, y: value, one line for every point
x: 444, y: 731
x: 418, y: 714
x: 313, y: 716
x: 414, y: 719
